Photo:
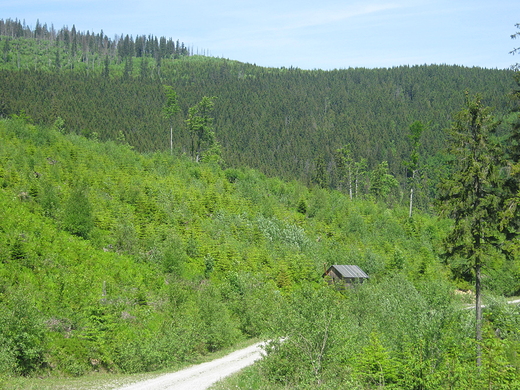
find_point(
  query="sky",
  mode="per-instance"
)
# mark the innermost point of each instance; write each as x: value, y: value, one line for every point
x: 317, y: 34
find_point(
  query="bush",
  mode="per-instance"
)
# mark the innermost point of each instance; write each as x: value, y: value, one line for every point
x: 219, y: 329
x: 69, y: 355
x: 22, y: 336
x: 314, y: 329
x: 504, y: 281
x: 78, y: 218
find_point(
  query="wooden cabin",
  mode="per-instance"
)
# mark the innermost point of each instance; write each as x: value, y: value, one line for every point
x: 345, y: 274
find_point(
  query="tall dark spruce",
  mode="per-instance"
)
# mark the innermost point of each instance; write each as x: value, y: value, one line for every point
x: 471, y: 197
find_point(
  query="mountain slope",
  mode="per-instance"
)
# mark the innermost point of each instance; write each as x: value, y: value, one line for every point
x: 277, y: 120
x: 132, y: 262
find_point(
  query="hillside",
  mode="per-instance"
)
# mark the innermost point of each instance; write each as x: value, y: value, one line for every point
x: 119, y: 261
x: 98, y: 237
x: 280, y: 121
x: 118, y: 255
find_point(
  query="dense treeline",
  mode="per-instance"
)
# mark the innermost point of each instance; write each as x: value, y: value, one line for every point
x: 78, y: 46
x: 130, y: 107
x: 283, y: 121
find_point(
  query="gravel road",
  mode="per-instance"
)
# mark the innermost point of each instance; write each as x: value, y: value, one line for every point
x: 202, y: 376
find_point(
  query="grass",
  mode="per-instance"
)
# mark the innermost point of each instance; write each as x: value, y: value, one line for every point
x: 105, y: 380
x: 249, y: 378
x: 91, y: 381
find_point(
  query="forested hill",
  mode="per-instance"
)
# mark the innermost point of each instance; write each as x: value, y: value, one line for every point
x: 281, y: 121
x: 117, y: 261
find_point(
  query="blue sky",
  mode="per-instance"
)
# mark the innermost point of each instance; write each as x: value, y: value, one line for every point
x: 317, y: 34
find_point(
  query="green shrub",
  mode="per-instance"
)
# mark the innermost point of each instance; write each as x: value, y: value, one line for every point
x: 69, y: 356
x: 233, y: 175
x: 22, y: 335
x: 219, y: 329
x: 78, y: 218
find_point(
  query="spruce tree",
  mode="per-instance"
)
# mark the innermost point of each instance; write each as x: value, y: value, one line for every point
x: 78, y: 218
x: 471, y: 197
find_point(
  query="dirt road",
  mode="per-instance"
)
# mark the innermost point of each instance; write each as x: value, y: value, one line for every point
x: 483, y: 306
x: 203, y: 375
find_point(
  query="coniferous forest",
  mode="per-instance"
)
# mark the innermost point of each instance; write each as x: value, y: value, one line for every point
x: 157, y: 206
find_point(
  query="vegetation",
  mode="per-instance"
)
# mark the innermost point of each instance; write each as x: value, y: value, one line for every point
x: 471, y: 196
x: 123, y: 254
x: 286, y: 123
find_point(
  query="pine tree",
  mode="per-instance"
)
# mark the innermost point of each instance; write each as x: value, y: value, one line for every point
x: 6, y: 50
x: 471, y: 197
x: 105, y: 73
x: 57, y: 60
x: 74, y: 47
x: 320, y: 176
x: 517, y: 49
x: 510, y: 210
x: 78, y: 218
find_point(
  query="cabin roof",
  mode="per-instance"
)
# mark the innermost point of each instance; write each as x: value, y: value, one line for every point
x: 349, y: 271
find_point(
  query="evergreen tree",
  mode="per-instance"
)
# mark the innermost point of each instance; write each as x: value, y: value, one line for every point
x: 74, y: 40
x: 471, y: 197
x: 360, y: 172
x: 66, y: 38
x: 517, y: 49
x: 6, y: 50
x: 320, y: 176
x: 57, y: 60
x: 127, y: 71
x: 106, y: 70
x: 143, y: 68
x: 78, y: 218
x: 510, y: 214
